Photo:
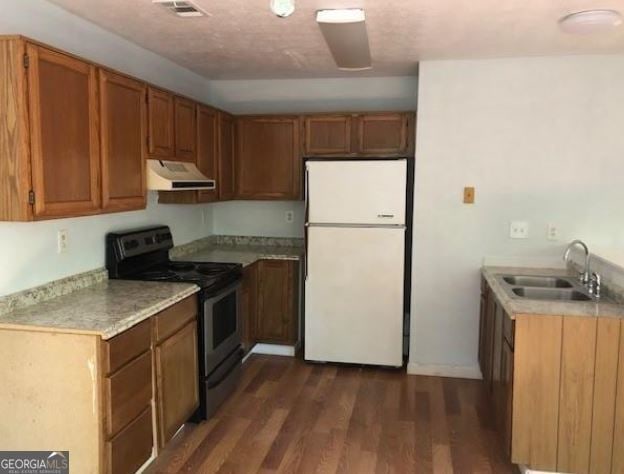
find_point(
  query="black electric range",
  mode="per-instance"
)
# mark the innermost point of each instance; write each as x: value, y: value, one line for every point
x: 143, y: 254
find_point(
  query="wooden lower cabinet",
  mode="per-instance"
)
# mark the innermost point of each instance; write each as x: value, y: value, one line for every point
x: 248, y: 305
x: 276, y: 305
x: 270, y: 303
x: 557, y: 390
x: 176, y: 381
x: 99, y: 394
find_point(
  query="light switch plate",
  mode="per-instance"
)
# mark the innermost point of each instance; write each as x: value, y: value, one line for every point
x: 469, y: 195
x: 519, y: 230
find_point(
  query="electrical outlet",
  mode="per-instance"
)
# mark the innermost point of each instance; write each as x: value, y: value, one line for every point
x: 205, y: 216
x: 552, y: 233
x: 290, y: 216
x: 519, y: 230
x: 62, y: 241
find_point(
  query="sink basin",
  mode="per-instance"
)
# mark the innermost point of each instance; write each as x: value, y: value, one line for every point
x: 551, y: 294
x: 537, y: 281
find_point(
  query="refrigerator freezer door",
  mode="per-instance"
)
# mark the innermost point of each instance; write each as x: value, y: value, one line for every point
x: 356, y: 192
x: 354, y: 295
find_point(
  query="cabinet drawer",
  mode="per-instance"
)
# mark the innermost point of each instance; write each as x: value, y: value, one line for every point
x: 171, y: 319
x: 123, y: 348
x: 509, y: 330
x: 131, y: 448
x: 128, y: 392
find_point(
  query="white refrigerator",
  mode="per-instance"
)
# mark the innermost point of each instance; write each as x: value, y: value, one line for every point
x: 355, y: 258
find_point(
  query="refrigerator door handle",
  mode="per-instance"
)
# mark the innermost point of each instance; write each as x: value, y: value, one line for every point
x: 305, y: 229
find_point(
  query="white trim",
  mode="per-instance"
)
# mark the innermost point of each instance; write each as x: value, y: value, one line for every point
x: 273, y: 349
x: 455, y: 371
x: 525, y: 470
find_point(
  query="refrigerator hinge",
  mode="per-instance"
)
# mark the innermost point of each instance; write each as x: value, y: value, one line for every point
x: 31, y: 197
x: 26, y: 61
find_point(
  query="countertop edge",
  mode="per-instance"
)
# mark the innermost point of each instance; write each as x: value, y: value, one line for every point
x: 116, y: 328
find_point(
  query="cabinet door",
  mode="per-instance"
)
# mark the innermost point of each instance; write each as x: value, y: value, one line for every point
x: 488, y: 349
x: 185, y: 130
x: 482, y: 330
x: 208, y: 149
x: 327, y: 135
x: 383, y: 134
x: 176, y: 381
x: 505, y: 417
x: 64, y: 134
x: 268, y: 165
x: 123, y: 133
x: 618, y: 438
x: 160, y: 123
x: 248, y: 305
x: 225, y: 183
x: 275, y: 313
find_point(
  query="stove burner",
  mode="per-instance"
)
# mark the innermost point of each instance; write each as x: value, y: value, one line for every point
x: 159, y: 275
x: 181, y: 266
x: 210, y: 270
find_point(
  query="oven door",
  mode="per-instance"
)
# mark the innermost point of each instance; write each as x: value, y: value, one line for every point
x: 221, y: 326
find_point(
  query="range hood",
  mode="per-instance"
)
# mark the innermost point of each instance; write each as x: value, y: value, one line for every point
x: 176, y: 176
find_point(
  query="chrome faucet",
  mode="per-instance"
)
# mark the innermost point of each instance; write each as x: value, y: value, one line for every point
x: 584, y: 276
x: 594, y: 285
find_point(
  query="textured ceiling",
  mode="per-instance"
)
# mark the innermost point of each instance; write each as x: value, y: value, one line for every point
x: 242, y: 39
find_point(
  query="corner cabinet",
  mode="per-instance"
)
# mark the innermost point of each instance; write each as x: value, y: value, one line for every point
x: 268, y: 161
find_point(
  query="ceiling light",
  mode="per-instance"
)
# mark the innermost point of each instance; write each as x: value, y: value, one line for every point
x: 283, y: 8
x: 590, y: 21
x: 345, y: 34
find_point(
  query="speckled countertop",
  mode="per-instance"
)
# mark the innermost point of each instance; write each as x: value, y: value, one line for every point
x: 520, y: 306
x: 106, y: 308
x: 243, y: 250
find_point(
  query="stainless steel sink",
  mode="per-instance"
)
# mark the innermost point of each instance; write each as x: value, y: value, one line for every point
x: 537, y: 281
x: 551, y: 294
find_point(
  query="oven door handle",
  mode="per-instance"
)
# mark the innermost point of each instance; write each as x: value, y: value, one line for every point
x: 240, y: 354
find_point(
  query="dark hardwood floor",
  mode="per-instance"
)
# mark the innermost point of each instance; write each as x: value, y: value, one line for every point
x: 289, y: 416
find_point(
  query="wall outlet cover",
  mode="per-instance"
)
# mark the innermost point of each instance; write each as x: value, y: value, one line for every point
x: 290, y: 216
x: 552, y: 232
x: 62, y: 241
x: 519, y: 230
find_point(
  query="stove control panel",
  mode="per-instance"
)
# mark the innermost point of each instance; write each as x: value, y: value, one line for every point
x: 132, y: 244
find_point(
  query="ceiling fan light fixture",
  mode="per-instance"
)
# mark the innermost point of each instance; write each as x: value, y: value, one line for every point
x: 345, y: 34
x: 590, y: 21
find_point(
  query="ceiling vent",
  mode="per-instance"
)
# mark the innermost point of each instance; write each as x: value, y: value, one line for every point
x: 184, y: 9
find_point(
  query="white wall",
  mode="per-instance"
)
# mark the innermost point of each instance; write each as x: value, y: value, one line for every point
x: 297, y: 96
x: 258, y: 218
x: 542, y: 141
x: 28, y: 250
x: 314, y: 95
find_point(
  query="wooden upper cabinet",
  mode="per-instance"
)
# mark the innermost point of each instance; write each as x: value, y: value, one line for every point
x: 384, y: 134
x: 208, y: 148
x: 359, y: 135
x: 226, y: 182
x: 160, y: 123
x: 185, y: 129
x: 123, y: 136
x: 327, y: 135
x: 63, y: 113
x: 268, y: 161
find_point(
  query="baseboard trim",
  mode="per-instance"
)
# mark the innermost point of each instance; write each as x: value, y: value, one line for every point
x: 273, y: 349
x: 454, y: 371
